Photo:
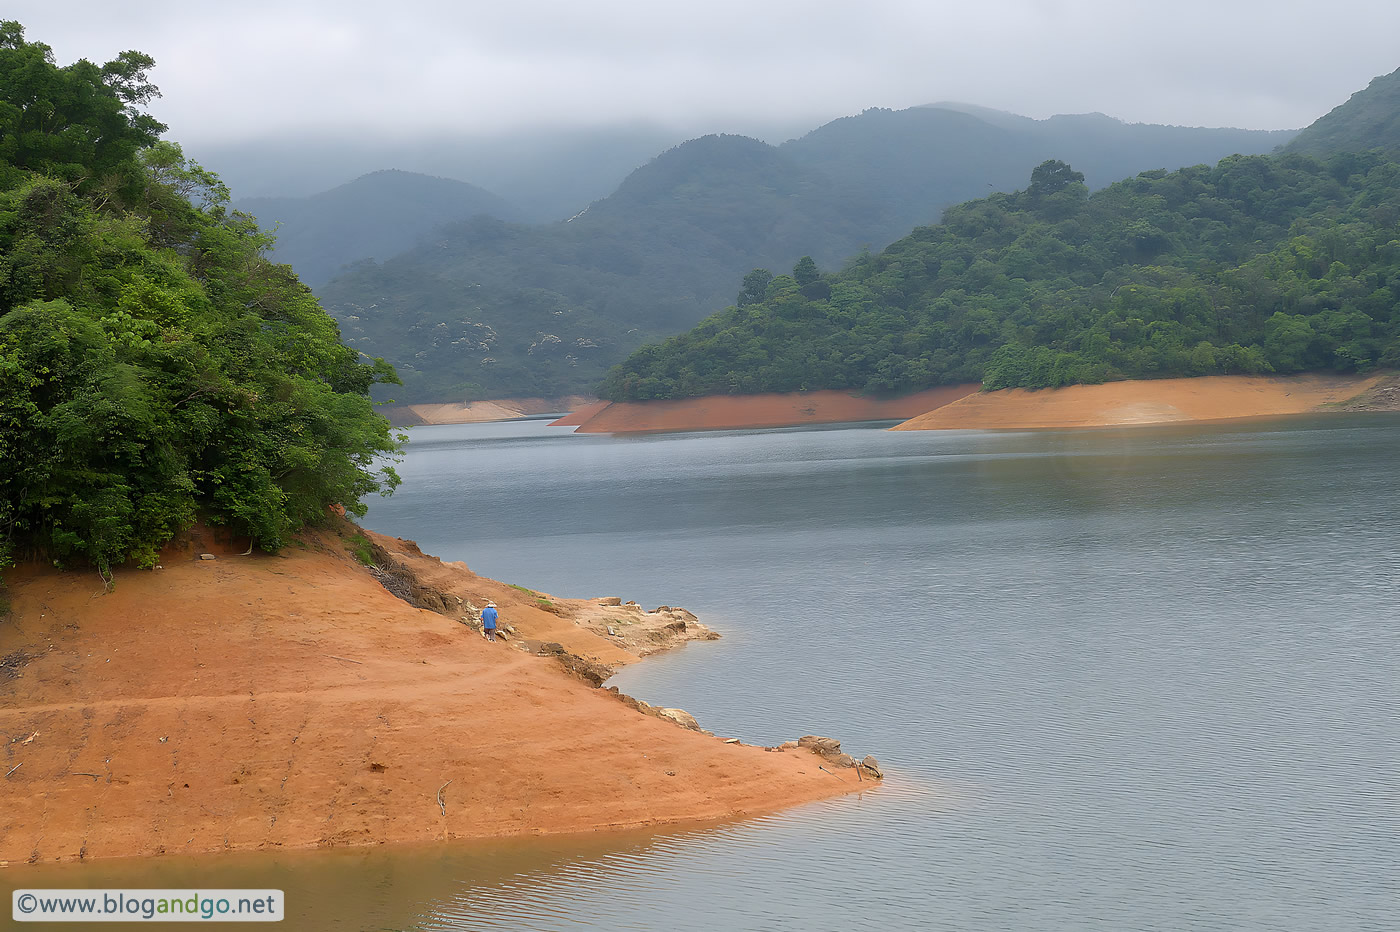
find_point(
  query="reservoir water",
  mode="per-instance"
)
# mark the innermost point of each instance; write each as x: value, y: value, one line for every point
x: 1140, y: 679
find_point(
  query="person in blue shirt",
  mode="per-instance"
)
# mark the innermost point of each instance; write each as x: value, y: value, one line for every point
x: 488, y: 621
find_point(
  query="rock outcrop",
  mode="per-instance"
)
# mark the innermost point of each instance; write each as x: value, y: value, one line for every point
x: 830, y: 750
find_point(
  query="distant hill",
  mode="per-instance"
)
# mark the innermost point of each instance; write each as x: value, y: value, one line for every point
x: 547, y: 173
x: 1260, y: 264
x: 486, y: 308
x: 373, y: 217
x: 910, y: 164
x: 1370, y: 119
x: 566, y: 300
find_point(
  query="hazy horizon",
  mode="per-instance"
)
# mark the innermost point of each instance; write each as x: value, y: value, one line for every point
x: 262, y: 71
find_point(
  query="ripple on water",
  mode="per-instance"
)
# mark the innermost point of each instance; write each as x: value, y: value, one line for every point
x: 1134, y: 679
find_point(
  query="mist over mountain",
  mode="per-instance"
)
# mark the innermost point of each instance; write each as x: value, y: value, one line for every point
x: 373, y: 217
x: 547, y: 173
x: 561, y: 302
x: 910, y: 164
x: 1283, y: 263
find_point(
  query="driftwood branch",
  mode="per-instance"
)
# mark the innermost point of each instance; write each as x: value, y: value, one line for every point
x: 79, y: 773
x: 346, y: 659
x: 442, y: 803
x: 18, y: 766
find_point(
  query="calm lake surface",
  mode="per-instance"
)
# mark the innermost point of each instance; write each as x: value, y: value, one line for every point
x: 1137, y: 679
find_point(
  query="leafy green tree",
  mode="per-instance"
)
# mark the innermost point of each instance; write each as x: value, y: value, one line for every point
x: 1051, y: 177
x: 755, y: 287
x: 154, y: 365
x: 78, y: 122
x: 805, y: 272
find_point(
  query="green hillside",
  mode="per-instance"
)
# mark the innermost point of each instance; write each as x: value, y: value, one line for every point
x: 909, y: 165
x: 153, y: 365
x: 376, y: 216
x: 1259, y: 264
x: 1370, y: 119
x: 485, y: 308
x: 489, y: 309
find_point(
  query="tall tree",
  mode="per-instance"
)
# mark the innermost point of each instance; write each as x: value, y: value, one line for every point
x: 78, y: 122
x: 755, y: 287
x: 154, y: 365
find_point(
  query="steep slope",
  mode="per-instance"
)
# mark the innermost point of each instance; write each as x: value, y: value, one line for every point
x: 373, y: 217
x: 490, y: 309
x: 1370, y: 119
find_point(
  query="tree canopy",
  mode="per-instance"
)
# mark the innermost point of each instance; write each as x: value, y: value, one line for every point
x: 1260, y: 264
x: 154, y: 365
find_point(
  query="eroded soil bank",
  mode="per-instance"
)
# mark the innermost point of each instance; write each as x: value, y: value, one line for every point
x: 1154, y: 401
x: 741, y: 412
x: 254, y: 701
x: 477, y: 412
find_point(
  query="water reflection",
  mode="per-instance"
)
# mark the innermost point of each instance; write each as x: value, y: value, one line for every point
x: 1132, y: 679
x: 517, y: 883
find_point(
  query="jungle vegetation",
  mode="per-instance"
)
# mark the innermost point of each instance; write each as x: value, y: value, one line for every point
x: 1258, y: 264
x: 487, y: 308
x: 155, y: 366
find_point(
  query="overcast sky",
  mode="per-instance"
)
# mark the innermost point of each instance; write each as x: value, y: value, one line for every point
x: 246, y: 69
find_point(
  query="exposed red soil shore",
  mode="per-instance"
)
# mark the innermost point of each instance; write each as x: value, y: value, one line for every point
x: 1154, y: 401
x: 738, y: 412
x: 578, y: 416
x: 476, y: 412
x: 259, y: 701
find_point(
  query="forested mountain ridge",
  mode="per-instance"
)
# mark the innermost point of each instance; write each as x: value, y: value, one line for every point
x: 1370, y: 119
x: 154, y: 365
x: 908, y: 165
x: 1259, y: 264
x: 562, y: 302
x: 486, y: 308
x: 375, y: 216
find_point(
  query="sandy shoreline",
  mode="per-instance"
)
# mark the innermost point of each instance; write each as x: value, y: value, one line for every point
x: 949, y: 407
x: 966, y: 407
x: 741, y: 412
x: 1155, y: 401
x: 480, y: 412
x: 292, y: 701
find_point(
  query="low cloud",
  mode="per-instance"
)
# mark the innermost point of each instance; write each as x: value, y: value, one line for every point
x: 255, y: 68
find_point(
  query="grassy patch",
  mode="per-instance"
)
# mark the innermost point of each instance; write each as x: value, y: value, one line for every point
x: 530, y: 592
x: 362, y: 549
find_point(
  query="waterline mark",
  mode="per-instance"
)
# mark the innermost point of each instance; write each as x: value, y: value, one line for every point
x: 133, y: 905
